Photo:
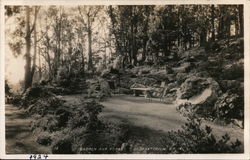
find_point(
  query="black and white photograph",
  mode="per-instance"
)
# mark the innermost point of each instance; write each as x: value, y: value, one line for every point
x: 124, y: 79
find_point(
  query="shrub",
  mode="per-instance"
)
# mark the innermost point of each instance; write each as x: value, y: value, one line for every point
x: 34, y: 93
x: 195, y: 139
x: 229, y: 106
x: 233, y: 71
x: 44, y: 139
x: 45, y: 106
x: 62, y: 145
x: 47, y: 123
x: 86, y: 116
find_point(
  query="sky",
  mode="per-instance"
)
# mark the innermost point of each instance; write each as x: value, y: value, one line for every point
x: 14, y: 67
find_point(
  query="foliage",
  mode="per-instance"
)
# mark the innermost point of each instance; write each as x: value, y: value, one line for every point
x: 44, y: 138
x: 86, y: 116
x: 229, y: 106
x: 193, y: 138
x: 233, y: 71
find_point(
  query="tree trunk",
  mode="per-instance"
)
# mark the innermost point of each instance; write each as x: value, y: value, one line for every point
x: 35, y: 48
x: 90, y: 62
x: 212, y: 22
x: 27, y: 79
x: 40, y: 67
x: 241, y: 20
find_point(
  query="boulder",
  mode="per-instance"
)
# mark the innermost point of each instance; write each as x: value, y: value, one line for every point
x: 146, y: 81
x: 192, y: 86
x: 203, y: 102
x: 105, y: 88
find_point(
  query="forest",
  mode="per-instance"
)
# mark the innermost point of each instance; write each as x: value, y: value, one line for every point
x: 87, y: 67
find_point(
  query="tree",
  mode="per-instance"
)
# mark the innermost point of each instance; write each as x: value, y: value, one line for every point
x: 88, y: 15
x: 29, y: 29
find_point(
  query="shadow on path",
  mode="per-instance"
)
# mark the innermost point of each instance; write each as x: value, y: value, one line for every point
x: 19, y: 138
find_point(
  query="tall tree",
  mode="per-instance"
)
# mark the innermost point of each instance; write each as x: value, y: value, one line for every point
x: 88, y: 15
x: 28, y: 31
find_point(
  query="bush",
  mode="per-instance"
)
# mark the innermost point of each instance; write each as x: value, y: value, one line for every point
x: 233, y: 71
x: 85, y: 133
x: 45, y: 106
x: 34, y: 93
x: 48, y: 123
x: 230, y: 106
x: 44, y: 139
x: 62, y: 145
x: 195, y: 139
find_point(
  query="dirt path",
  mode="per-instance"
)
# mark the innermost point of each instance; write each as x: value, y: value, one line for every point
x: 19, y: 138
x: 155, y: 115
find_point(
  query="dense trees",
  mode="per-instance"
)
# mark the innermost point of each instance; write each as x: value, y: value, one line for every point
x: 163, y: 28
x: 63, y: 38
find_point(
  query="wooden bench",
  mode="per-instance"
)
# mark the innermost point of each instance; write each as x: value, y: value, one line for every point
x: 147, y: 92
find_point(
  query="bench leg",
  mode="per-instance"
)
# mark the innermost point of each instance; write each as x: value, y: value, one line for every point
x: 136, y: 93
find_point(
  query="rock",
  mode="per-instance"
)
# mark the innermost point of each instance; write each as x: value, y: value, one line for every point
x: 181, y: 77
x: 192, y: 86
x: 170, y: 77
x: 203, y: 103
x: 146, y: 81
x: 203, y: 74
x: 172, y: 85
x: 184, y: 68
x: 238, y: 123
x: 138, y: 85
x: 105, y: 88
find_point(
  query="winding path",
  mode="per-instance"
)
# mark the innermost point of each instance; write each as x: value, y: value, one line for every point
x: 19, y: 138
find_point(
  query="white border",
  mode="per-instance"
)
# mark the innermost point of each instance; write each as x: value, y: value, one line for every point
x: 131, y: 2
